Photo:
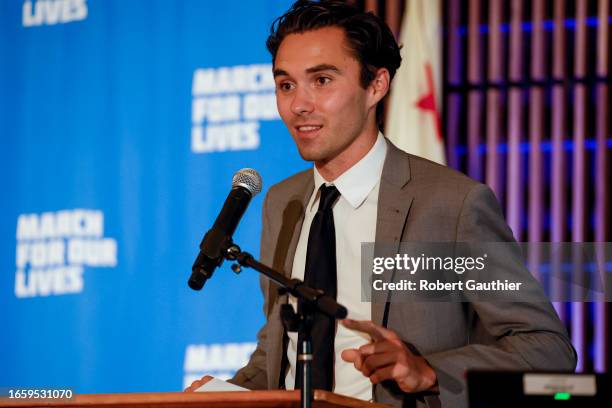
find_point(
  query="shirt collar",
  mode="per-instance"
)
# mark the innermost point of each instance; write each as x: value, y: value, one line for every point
x: 356, y: 183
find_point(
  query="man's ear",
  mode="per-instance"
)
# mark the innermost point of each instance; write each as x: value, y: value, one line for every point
x: 379, y: 87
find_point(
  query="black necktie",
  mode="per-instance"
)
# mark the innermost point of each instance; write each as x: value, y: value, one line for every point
x: 320, y: 273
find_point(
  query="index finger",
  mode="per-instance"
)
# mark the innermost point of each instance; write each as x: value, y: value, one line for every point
x: 366, y: 326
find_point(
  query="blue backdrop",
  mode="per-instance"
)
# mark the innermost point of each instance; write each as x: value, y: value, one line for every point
x: 122, y: 123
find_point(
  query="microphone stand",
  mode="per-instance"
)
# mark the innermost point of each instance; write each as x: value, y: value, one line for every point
x: 311, y: 301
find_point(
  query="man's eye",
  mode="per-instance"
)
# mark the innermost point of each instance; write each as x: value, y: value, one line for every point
x: 323, y: 80
x: 285, y: 86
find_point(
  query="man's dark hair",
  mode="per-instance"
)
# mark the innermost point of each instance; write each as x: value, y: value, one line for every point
x: 369, y: 38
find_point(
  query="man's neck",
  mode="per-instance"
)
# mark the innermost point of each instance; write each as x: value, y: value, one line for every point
x: 334, y: 168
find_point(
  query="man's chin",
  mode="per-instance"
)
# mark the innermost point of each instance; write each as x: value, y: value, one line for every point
x: 310, y: 155
x: 316, y: 157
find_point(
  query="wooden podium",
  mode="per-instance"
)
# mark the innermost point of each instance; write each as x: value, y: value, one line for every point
x: 233, y: 399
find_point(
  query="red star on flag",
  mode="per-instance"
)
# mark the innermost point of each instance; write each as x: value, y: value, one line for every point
x: 427, y: 102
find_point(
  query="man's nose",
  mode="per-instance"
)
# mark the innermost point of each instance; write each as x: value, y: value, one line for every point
x: 302, y: 102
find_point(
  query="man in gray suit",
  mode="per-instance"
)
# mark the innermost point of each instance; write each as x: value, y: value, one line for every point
x: 333, y: 66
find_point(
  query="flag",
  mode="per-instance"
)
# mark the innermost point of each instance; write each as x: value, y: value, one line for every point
x: 414, y: 117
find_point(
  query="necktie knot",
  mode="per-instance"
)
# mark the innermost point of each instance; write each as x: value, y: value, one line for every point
x: 329, y: 195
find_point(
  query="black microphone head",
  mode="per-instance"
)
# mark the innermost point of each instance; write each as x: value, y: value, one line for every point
x: 249, y: 179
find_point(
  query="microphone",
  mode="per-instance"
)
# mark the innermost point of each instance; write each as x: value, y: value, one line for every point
x: 246, y: 183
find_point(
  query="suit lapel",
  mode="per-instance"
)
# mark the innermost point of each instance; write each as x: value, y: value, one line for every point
x: 293, y: 218
x: 292, y: 213
x: 394, y: 201
x: 289, y: 234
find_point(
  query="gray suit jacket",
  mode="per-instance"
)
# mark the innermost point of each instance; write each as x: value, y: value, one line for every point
x: 419, y: 201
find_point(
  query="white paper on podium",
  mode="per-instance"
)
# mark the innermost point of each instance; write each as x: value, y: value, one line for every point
x: 219, y: 385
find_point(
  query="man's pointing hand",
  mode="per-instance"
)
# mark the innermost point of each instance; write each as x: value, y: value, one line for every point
x: 386, y: 357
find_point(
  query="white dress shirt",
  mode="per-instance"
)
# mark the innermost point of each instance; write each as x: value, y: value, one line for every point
x: 355, y: 222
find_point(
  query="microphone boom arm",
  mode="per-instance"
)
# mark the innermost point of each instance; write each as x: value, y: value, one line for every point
x: 324, y: 303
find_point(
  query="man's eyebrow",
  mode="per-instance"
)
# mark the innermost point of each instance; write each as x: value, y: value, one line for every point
x: 323, y: 67
x: 317, y: 68
x: 279, y: 72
